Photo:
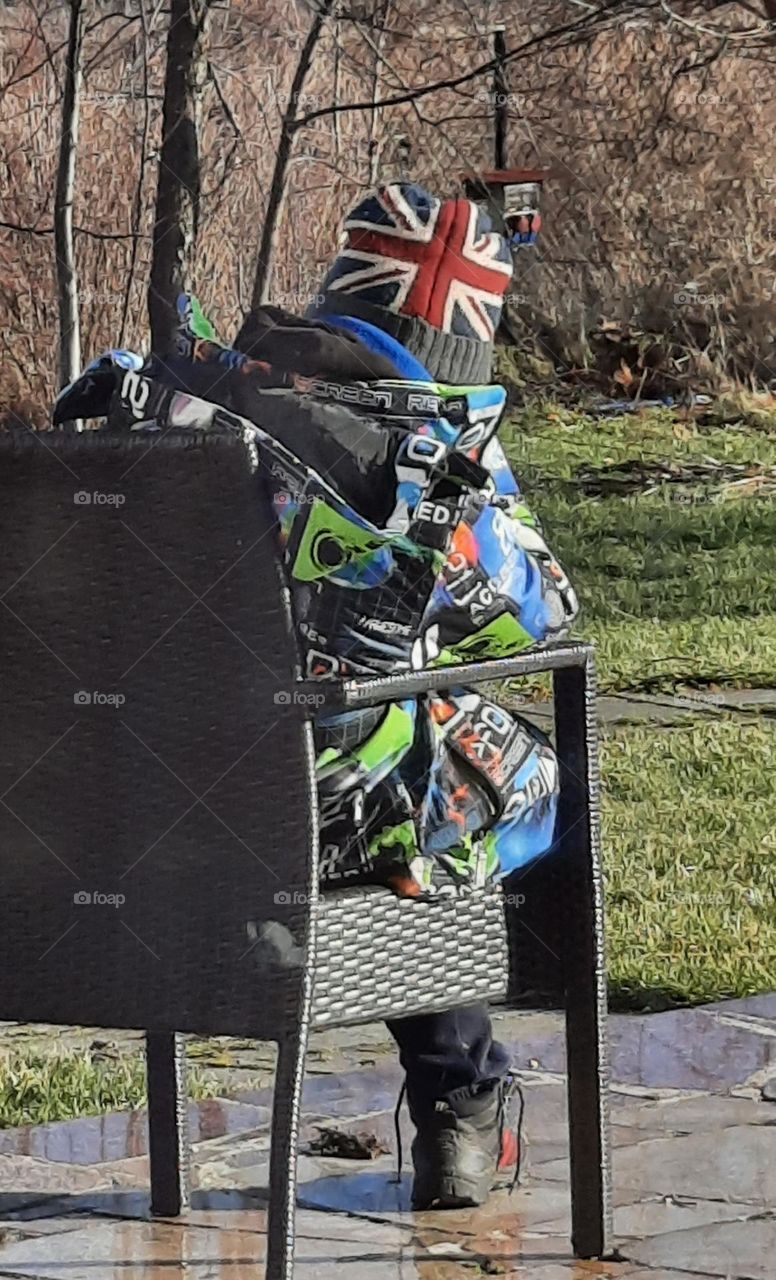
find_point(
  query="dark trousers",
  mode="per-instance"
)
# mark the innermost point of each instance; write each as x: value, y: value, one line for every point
x: 444, y: 1053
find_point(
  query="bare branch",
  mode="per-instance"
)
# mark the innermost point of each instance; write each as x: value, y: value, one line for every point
x: 522, y: 51
x: 288, y: 128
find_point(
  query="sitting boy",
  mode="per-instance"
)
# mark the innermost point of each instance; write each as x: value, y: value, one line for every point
x: 415, y: 295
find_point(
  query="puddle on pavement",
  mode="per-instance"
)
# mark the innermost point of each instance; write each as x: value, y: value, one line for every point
x: 122, y: 1134
x: 375, y: 1192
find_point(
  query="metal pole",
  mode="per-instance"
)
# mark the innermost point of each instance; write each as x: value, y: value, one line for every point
x: 500, y: 92
x: 583, y: 961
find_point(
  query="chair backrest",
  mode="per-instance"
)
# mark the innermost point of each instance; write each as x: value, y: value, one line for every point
x: 157, y: 813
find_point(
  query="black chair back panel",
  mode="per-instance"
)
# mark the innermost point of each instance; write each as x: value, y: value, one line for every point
x: 156, y: 833
x: 536, y: 920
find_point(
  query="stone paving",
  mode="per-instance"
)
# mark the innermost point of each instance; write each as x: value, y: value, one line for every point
x: 661, y: 710
x: 694, y: 1171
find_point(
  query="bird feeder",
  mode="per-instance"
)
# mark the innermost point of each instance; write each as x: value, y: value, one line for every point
x: 511, y: 197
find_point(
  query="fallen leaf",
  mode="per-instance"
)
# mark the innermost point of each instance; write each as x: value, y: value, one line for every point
x: 346, y: 1146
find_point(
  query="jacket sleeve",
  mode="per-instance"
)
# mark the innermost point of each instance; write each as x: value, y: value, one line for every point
x: 559, y: 597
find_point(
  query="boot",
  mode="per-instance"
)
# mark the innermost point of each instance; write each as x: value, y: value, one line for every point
x: 462, y: 1145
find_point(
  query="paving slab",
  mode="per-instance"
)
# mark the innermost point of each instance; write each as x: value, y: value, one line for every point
x: 659, y: 1274
x: 737, y: 1165
x: 659, y: 709
x: 656, y: 1216
x: 20, y: 1228
x: 763, y: 1006
x: 618, y: 709
x: 157, y: 1250
x: 743, y: 699
x: 25, y: 1181
x: 96, y: 1139
x: 699, y: 1049
x: 694, y: 1171
x: 740, y: 1249
x: 209, y: 1245
x: 688, y: 1049
x: 699, y: 1113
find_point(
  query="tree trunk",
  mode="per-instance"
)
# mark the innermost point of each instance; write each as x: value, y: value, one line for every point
x: 263, y: 273
x: 67, y: 280
x: 178, y: 185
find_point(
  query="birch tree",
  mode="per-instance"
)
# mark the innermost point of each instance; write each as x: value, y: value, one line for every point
x: 64, y: 246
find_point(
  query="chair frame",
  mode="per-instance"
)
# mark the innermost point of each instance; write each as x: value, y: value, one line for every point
x: 573, y: 669
x: 216, y: 998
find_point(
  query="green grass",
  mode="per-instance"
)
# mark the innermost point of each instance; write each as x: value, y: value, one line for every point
x: 669, y: 590
x: 690, y: 843
x: 673, y: 593
x: 546, y: 440
x: 656, y: 656
x: 38, y: 1088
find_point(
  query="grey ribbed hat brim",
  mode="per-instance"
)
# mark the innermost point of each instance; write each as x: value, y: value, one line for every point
x: 447, y: 356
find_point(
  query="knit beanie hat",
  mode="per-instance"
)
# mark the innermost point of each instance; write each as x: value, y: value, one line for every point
x: 432, y: 273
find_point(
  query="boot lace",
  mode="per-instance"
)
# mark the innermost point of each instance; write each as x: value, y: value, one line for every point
x: 507, y: 1087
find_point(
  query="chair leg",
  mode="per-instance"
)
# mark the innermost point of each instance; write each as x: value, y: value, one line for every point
x: 286, y: 1111
x: 168, y: 1129
x: 289, y: 1075
x: 584, y: 963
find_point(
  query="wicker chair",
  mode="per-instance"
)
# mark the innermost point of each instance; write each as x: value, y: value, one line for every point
x: 146, y: 638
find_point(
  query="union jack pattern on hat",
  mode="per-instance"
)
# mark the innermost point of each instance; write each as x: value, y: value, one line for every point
x: 414, y: 255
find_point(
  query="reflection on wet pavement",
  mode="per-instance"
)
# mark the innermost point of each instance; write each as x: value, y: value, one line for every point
x: 94, y: 1139
x: 694, y: 1179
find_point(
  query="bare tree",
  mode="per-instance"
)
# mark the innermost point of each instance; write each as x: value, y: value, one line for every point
x: 178, y: 187
x: 288, y: 126
x: 67, y: 280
